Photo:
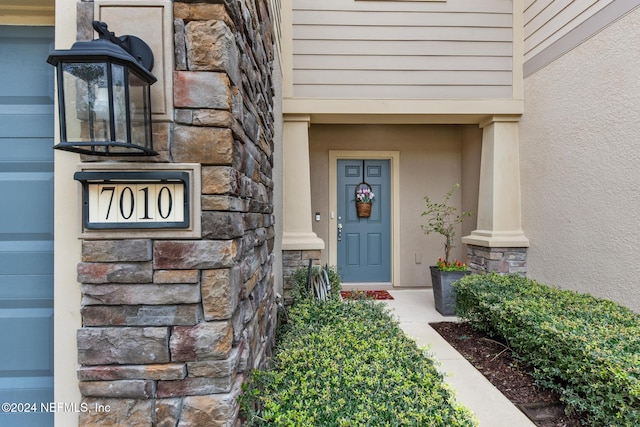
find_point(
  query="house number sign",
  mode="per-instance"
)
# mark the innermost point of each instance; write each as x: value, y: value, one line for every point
x: 134, y: 199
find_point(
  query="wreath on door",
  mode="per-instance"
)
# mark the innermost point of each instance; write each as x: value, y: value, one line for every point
x: 364, y: 199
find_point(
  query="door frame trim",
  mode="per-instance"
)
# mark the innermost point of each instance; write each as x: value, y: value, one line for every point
x: 394, y: 175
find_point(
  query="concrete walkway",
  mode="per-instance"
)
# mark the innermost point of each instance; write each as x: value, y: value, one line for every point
x: 415, y: 310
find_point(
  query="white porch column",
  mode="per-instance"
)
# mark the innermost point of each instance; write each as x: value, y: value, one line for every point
x: 499, y: 194
x: 297, y: 221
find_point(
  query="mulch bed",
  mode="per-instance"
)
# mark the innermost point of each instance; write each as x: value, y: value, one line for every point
x: 494, y: 360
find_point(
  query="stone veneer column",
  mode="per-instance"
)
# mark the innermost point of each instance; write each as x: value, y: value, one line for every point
x: 498, y: 260
x: 498, y: 244
x: 172, y: 327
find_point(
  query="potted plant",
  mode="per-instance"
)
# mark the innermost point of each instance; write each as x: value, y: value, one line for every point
x: 442, y: 218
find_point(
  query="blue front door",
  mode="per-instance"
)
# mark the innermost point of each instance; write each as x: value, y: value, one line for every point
x: 364, y: 243
x: 26, y: 225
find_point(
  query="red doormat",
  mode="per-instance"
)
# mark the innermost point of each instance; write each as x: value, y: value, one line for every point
x: 367, y: 294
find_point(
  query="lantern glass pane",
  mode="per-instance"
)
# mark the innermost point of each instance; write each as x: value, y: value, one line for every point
x: 140, y: 111
x: 86, y: 102
x: 119, y: 103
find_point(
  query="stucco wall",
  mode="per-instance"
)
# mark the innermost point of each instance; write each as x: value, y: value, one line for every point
x: 430, y: 163
x: 580, y: 174
x: 471, y: 153
x: 67, y: 251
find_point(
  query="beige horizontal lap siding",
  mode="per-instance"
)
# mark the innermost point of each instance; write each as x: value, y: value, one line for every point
x: 546, y: 21
x: 416, y: 50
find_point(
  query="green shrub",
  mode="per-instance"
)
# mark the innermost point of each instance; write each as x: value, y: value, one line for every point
x: 586, y: 348
x: 349, y: 364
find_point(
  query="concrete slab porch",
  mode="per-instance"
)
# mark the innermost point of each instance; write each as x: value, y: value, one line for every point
x: 415, y: 309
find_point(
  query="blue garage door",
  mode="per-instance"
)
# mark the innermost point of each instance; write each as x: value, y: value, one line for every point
x: 26, y: 224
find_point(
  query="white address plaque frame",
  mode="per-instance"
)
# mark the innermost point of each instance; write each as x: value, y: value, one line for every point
x: 155, y: 200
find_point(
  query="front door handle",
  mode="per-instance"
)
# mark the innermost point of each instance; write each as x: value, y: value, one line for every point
x: 339, y: 232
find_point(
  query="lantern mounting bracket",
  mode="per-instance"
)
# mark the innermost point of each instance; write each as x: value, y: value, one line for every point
x: 132, y: 44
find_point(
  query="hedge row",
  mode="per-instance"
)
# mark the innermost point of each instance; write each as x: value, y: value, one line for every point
x: 349, y: 364
x: 587, y: 349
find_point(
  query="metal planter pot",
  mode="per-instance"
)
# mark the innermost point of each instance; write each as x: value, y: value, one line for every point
x: 443, y: 295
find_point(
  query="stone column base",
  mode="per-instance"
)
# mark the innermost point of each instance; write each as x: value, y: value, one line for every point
x: 497, y: 260
x: 291, y: 261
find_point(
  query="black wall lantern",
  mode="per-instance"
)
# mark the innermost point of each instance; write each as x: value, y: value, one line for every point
x: 104, y: 95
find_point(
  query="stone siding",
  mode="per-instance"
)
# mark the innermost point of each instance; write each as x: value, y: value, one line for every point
x: 499, y: 260
x: 171, y: 328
